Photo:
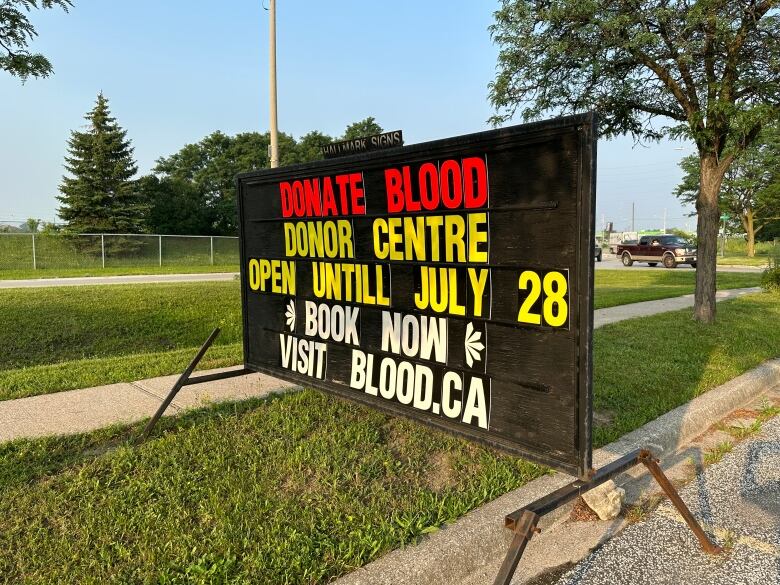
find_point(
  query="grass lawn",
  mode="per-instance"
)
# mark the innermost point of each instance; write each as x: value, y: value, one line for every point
x: 736, y: 253
x: 648, y: 366
x: 303, y: 487
x: 621, y: 287
x: 296, y: 489
x: 761, y: 260
x: 113, y: 271
x: 64, y: 338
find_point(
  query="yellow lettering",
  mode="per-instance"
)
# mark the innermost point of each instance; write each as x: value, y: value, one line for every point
x: 288, y: 277
x: 434, y: 223
x: 396, y: 237
x: 414, y: 238
x: 478, y: 280
x: 289, y: 239
x: 346, y: 249
x: 254, y: 274
x: 454, y: 246
x: 452, y: 279
x: 477, y: 235
x: 281, y: 274
x: 381, y: 247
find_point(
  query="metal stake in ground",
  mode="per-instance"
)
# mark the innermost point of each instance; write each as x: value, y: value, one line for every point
x: 182, y: 381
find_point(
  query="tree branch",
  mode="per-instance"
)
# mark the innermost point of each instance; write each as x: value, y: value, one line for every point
x: 666, y: 78
x: 685, y: 72
x: 656, y: 111
x: 749, y: 21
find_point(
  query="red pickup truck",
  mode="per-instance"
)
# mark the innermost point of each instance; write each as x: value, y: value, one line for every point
x: 668, y: 249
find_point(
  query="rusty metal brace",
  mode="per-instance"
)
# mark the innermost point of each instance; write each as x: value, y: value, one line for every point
x: 523, y: 522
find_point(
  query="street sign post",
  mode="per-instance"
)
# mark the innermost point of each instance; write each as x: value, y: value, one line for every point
x: 449, y: 282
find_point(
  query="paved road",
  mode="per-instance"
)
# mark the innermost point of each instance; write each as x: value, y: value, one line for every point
x: 738, y: 500
x: 130, y: 279
x: 612, y: 263
x: 609, y: 263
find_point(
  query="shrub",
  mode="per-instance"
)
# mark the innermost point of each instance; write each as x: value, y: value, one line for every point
x: 770, y: 279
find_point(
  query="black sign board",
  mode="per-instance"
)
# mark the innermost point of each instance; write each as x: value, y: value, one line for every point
x: 366, y: 144
x: 450, y: 282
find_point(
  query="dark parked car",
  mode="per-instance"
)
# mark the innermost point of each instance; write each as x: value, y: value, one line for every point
x: 667, y: 249
x: 598, y: 253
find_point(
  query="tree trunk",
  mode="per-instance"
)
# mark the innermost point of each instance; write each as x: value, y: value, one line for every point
x: 707, y: 235
x: 750, y: 231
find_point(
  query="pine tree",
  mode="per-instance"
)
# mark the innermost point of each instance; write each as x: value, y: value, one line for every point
x: 99, y: 196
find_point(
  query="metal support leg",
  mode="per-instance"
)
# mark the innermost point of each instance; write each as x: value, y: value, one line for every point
x: 525, y: 528
x: 182, y: 381
x: 652, y: 466
x: 523, y: 522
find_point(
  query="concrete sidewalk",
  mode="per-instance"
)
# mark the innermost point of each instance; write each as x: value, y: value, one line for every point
x: 78, y: 411
x: 603, y: 317
x: 128, y: 279
x: 737, y: 499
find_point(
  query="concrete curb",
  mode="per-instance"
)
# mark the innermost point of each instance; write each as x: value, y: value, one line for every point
x: 473, y: 543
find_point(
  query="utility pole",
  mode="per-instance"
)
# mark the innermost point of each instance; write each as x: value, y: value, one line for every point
x: 633, y: 225
x: 664, y: 219
x: 272, y: 83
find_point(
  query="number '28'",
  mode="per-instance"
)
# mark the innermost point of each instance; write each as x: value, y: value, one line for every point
x: 543, y: 298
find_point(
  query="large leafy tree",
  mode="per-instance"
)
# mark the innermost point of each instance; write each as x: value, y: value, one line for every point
x: 309, y: 146
x: 750, y: 192
x: 99, y: 195
x: 361, y: 129
x: 202, y: 176
x: 175, y: 206
x: 207, y: 169
x: 16, y: 33
x: 707, y: 70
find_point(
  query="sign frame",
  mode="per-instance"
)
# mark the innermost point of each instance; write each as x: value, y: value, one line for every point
x: 585, y: 126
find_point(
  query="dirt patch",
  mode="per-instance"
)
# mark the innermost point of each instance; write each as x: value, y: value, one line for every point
x: 741, y: 414
x: 582, y: 512
x: 441, y: 475
x: 396, y: 438
x: 602, y: 418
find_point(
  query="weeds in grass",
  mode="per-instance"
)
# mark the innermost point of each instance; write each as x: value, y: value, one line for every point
x: 768, y: 411
x: 638, y: 512
x: 716, y: 454
x: 739, y: 432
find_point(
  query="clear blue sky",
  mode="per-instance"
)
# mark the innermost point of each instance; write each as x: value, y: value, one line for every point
x: 177, y: 70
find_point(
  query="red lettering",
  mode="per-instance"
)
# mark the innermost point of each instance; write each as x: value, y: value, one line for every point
x: 451, y: 184
x: 328, y: 199
x: 429, y: 186
x: 411, y: 203
x: 358, y: 197
x: 475, y: 182
x: 285, y: 192
x: 311, y: 189
x: 395, y: 193
x: 342, y: 181
x: 298, y: 200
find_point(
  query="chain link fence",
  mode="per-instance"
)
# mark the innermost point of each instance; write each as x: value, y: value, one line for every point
x: 24, y: 251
